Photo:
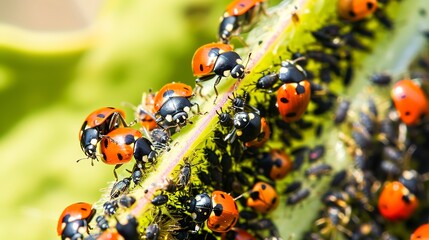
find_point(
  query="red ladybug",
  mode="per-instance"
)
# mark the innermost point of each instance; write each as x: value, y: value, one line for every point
x: 224, y: 213
x: 239, y: 14
x: 355, y: 10
x: 421, y: 233
x: 96, y: 125
x: 145, y: 112
x: 396, y: 202
x: 263, y: 198
x: 170, y: 90
x: 74, y: 219
x: 216, y: 59
x: 410, y: 101
x: 122, y: 144
x: 293, y: 100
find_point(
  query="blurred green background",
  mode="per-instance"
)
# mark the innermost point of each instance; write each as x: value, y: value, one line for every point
x: 60, y: 60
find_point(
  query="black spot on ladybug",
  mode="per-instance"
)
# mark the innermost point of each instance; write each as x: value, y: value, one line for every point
x: 201, y: 67
x: 274, y: 201
x: 223, y: 196
x: 369, y: 5
x: 352, y: 14
x: 101, y: 115
x: 106, y: 143
x: 242, y: 5
x: 119, y: 156
x: 254, y: 195
x: 407, y: 113
x: 406, y: 199
x: 84, y: 209
x: 299, y: 89
x: 284, y: 100
x: 292, y: 114
x: 129, y: 139
x: 218, y: 209
x: 216, y: 226
x: 263, y: 186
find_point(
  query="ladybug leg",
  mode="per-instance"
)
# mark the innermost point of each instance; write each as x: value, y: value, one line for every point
x: 215, y: 89
x: 114, y: 171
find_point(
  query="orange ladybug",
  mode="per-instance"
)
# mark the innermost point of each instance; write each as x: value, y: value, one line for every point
x: 224, y: 213
x: 410, y: 101
x: 293, y: 100
x: 263, y: 198
x: 355, y: 10
x: 396, y: 202
x: 421, y: 233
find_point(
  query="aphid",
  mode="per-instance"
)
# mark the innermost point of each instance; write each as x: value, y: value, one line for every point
x: 381, y: 79
x: 341, y: 111
x: 318, y: 170
x: 316, y: 153
x: 298, y: 196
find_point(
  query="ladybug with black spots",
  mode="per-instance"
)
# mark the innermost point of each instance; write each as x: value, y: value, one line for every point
x: 224, y: 213
x: 96, y: 125
x: 421, y: 232
x: 74, y: 220
x: 410, y: 101
x: 275, y: 164
x: 263, y: 198
x: 239, y: 15
x: 293, y: 100
x: 355, y: 10
x: 216, y: 59
x: 122, y: 144
x: 397, y: 202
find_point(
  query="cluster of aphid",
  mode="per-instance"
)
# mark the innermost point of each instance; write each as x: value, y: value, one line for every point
x: 227, y: 188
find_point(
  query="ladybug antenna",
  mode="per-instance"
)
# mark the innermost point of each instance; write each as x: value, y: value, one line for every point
x: 298, y: 59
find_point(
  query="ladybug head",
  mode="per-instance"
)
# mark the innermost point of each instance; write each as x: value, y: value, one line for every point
x: 238, y: 71
x: 241, y: 119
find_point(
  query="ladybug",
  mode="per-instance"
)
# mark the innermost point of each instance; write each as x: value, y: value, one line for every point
x: 96, y: 125
x: 122, y: 144
x: 170, y: 90
x: 239, y: 14
x: 410, y: 101
x: 74, y: 219
x: 421, y: 232
x: 237, y: 234
x: 247, y: 127
x: 275, y: 164
x: 224, y: 213
x: 293, y: 100
x: 263, y: 136
x: 355, y: 10
x: 263, y: 198
x: 145, y: 111
x: 216, y: 59
x: 289, y: 72
x: 396, y: 202
x: 200, y: 207
x: 110, y: 235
